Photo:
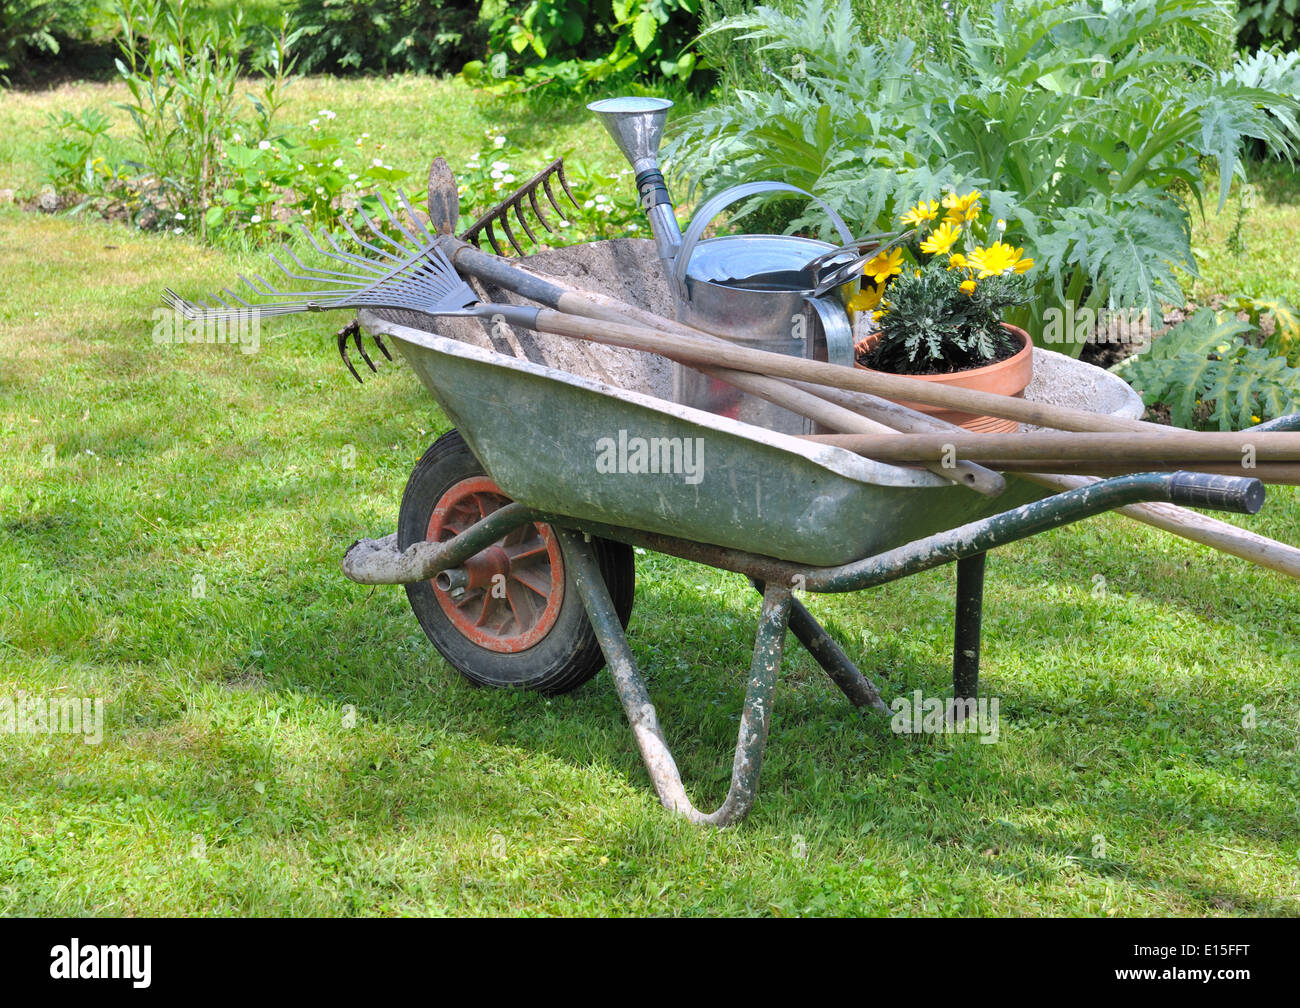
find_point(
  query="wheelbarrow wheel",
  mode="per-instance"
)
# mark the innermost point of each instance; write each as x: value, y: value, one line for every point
x: 519, y: 622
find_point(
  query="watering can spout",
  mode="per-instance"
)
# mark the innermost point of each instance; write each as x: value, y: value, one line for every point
x: 637, y: 126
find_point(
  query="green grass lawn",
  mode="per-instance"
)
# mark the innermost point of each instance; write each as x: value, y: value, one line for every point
x: 280, y: 740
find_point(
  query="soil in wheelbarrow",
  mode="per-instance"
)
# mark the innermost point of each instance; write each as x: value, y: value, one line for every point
x: 625, y: 268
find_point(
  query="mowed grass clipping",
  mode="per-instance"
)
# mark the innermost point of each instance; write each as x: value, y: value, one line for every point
x: 281, y: 741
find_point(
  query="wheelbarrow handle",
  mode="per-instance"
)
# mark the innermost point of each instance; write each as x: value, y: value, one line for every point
x: 1239, y: 494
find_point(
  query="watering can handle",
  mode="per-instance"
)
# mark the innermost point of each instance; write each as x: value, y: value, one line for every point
x: 713, y: 206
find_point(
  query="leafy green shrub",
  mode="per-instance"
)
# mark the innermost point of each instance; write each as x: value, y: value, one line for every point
x: 1081, y: 134
x: 201, y: 159
x: 607, y: 204
x: 575, y: 43
x: 316, y: 177
x: 382, y: 36
x: 1284, y: 337
x: 36, y: 26
x: 75, y: 162
x: 1209, y: 374
x: 1268, y: 22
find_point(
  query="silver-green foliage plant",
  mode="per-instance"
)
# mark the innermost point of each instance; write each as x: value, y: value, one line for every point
x: 1209, y: 372
x: 1084, y: 135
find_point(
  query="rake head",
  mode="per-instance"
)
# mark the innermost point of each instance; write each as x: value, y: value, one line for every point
x: 500, y: 214
x: 411, y: 273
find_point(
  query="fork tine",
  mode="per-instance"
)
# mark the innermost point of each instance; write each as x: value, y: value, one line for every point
x: 361, y: 348
x: 343, y: 352
x: 505, y: 226
x: 564, y: 183
x: 523, y: 222
x: 546, y: 188
x: 532, y: 198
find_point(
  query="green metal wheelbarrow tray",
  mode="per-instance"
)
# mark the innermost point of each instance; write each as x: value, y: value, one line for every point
x: 517, y: 530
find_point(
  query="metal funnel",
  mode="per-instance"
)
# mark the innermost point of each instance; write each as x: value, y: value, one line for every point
x: 637, y: 126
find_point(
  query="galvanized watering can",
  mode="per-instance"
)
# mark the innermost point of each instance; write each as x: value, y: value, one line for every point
x: 709, y: 277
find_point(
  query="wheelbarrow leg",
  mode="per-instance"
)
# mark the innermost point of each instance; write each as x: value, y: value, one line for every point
x: 860, y: 690
x: 755, y: 719
x: 966, y: 635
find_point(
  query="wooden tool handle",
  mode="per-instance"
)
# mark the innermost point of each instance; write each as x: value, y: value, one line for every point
x: 978, y: 478
x: 693, y: 350
x: 1176, y: 448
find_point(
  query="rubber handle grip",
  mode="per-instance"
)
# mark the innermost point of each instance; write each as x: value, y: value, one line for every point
x: 1239, y: 494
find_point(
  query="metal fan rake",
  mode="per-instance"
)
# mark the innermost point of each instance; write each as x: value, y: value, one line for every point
x: 411, y: 274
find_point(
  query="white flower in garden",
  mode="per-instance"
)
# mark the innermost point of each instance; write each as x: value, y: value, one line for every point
x: 588, y: 205
x: 302, y: 167
x: 178, y: 231
x: 496, y: 173
x: 180, y: 216
x: 377, y: 163
x: 499, y: 166
x: 327, y: 113
x: 508, y: 178
x: 352, y: 176
x: 236, y: 138
x: 320, y: 191
x: 602, y: 198
x: 264, y: 145
x: 338, y: 162
x: 565, y: 223
x: 314, y: 123
x: 499, y: 142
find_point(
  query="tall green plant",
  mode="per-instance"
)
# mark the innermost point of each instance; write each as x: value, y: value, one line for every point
x: 1078, y: 129
x: 183, y: 75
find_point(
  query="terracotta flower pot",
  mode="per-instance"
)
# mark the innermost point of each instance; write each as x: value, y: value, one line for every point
x: 1007, y: 377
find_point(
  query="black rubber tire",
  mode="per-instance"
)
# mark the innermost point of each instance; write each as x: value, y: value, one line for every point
x: 561, y: 661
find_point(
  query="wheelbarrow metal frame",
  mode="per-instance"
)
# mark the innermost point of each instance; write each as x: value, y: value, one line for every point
x: 777, y: 581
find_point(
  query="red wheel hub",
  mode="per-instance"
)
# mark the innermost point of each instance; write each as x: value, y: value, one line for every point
x: 516, y: 585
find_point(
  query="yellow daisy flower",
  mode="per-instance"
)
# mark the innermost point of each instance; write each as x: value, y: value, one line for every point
x: 968, y: 287
x: 962, y: 209
x: 922, y: 213
x: 998, y: 259
x: 942, y: 240
x: 865, y: 299
x: 884, y: 265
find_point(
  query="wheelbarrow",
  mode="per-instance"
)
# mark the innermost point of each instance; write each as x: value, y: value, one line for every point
x: 517, y: 529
